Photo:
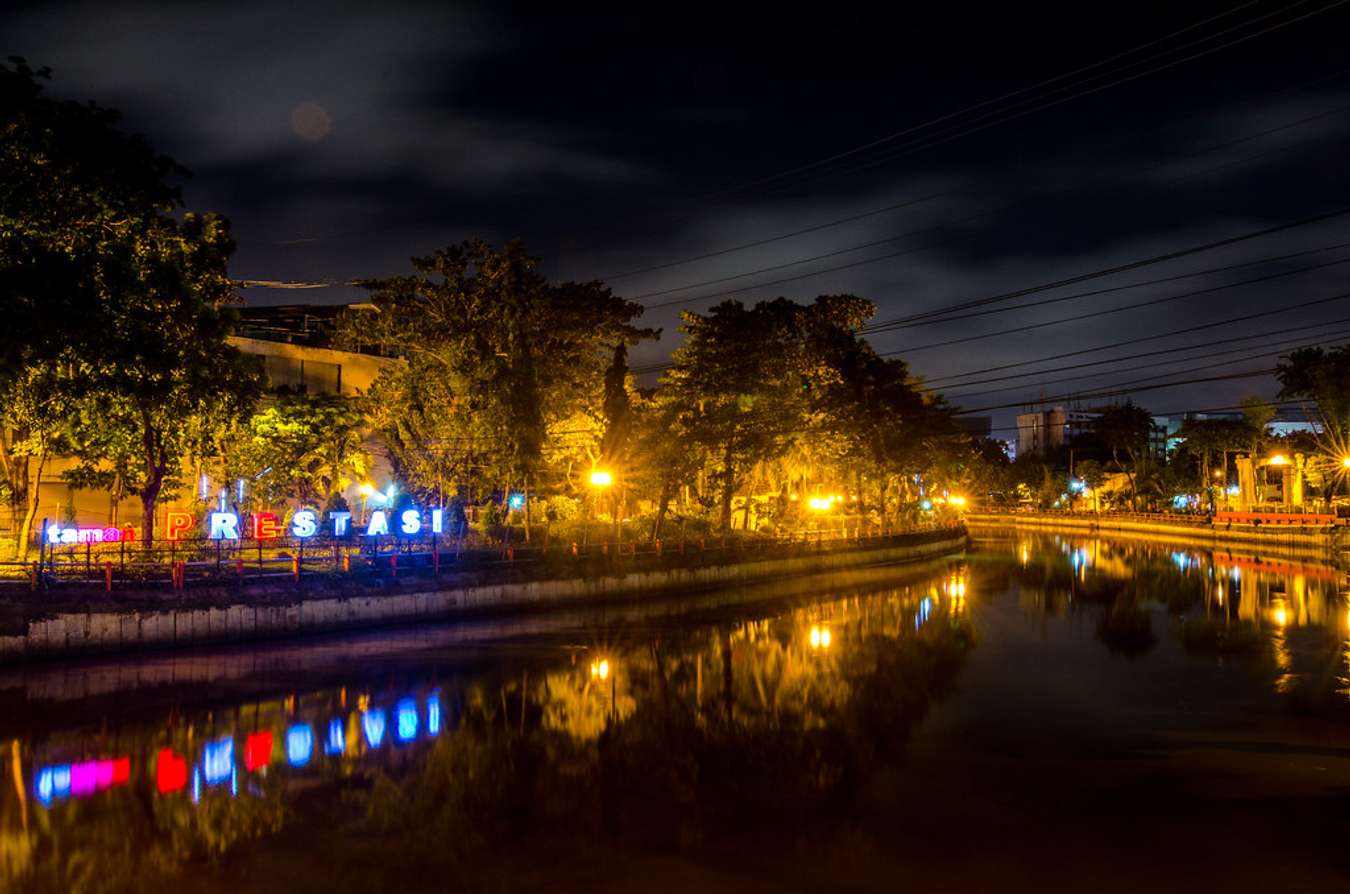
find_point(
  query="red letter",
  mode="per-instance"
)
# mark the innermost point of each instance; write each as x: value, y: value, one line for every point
x: 265, y: 526
x: 176, y: 524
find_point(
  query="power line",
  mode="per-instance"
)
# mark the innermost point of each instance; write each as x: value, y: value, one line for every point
x: 1014, y: 115
x: 1082, y: 277
x: 888, y: 327
x: 889, y: 138
x: 1130, y: 341
x: 1122, y: 308
x: 1249, y: 374
x: 1157, y: 353
x: 1292, y: 345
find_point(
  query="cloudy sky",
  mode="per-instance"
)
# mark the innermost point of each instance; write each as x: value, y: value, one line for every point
x: 628, y: 145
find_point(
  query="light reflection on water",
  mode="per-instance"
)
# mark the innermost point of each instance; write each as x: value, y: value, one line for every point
x: 652, y: 731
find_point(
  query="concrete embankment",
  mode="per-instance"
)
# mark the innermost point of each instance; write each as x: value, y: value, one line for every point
x: 248, y: 615
x: 1322, y: 541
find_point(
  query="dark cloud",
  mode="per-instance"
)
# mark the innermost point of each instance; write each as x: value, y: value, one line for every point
x: 341, y: 139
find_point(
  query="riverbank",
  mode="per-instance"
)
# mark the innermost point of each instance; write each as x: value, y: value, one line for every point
x: 36, y: 631
x: 1320, y: 541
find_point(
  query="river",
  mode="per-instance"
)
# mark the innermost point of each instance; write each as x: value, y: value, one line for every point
x: 1042, y: 713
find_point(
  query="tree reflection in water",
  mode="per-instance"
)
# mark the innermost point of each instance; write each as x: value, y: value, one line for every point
x: 751, y: 732
x: 747, y: 731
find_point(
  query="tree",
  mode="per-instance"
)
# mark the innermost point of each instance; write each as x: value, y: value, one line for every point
x: 306, y: 448
x: 1206, y: 438
x: 743, y: 378
x: 1125, y: 429
x: 493, y: 356
x: 35, y: 420
x: 1321, y: 377
x: 77, y: 192
x: 90, y: 247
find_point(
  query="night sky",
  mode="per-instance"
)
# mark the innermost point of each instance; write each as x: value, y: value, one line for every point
x: 341, y: 141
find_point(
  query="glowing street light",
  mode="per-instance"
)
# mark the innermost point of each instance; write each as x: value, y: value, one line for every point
x: 1345, y: 462
x: 1278, y: 459
x: 820, y: 637
x: 820, y: 504
x: 956, y: 501
x: 600, y: 669
x: 601, y: 478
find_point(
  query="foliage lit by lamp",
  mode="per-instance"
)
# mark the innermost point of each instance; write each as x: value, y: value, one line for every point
x: 601, y: 479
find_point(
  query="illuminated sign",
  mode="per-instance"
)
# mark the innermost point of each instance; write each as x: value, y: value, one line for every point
x: 299, y: 744
x: 170, y: 771
x: 337, y: 738
x: 176, y: 524
x: 58, y: 534
x: 218, y: 761
x: 405, y: 720
x: 224, y: 526
x: 433, y: 715
x: 378, y: 524
x: 373, y: 722
x: 265, y: 526
x: 258, y: 750
x: 305, y: 523
x: 81, y: 780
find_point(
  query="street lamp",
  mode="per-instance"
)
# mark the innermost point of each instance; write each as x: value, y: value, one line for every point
x: 601, y: 478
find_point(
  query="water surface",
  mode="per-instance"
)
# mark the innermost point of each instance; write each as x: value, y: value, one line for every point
x: 1044, y: 713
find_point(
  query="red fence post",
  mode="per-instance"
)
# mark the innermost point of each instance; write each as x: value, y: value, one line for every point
x: 346, y: 563
x: 393, y: 564
x: 510, y: 554
x: 657, y: 544
x: 295, y: 567
x: 574, y: 548
x: 107, y: 576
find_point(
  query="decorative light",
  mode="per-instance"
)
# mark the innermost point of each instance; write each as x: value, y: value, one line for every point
x: 820, y: 504
x: 601, y: 478
x: 405, y: 720
x: 1278, y: 459
x: 373, y: 722
x: 299, y: 744
x: 600, y: 669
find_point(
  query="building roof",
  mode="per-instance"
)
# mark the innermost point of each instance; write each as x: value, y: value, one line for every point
x: 312, y: 325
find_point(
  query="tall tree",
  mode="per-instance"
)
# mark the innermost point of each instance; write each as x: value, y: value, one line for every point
x: 1126, y: 430
x: 91, y: 246
x: 494, y: 354
x: 744, y: 376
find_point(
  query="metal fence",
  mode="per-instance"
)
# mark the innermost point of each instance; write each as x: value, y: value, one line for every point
x: 197, y: 564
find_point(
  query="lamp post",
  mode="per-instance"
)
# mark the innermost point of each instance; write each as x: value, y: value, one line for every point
x: 600, y: 481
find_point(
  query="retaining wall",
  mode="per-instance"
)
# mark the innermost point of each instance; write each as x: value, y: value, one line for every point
x: 105, y: 630
x: 1322, y: 541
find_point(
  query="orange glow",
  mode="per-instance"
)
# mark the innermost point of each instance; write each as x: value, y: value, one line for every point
x: 265, y: 526
x: 601, y: 479
x: 176, y: 524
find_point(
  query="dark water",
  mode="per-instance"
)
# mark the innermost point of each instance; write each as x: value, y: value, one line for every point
x: 1042, y: 714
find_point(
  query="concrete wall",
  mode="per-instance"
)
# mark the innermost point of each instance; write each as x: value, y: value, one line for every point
x: 1321, y: 541
x: 104, y: 630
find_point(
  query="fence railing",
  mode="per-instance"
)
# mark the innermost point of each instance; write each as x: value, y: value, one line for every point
x: 193, y: 564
